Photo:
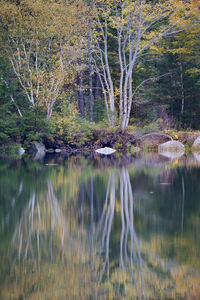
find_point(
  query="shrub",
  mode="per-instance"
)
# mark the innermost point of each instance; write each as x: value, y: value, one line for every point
x: 150, y: 128
x: 33, y: 125
x: 70, y: 127
x: 9, y: 125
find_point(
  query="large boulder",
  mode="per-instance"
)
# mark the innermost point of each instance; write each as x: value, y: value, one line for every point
x: 106, y: 151
x: 37, y: 149
x: 153, y: 139
x: 171, y: 146
x: 196, y: 143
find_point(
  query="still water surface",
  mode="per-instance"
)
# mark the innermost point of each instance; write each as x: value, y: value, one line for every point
x: 92, y: 228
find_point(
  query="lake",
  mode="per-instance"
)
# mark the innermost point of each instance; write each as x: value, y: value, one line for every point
x: 97, y: 227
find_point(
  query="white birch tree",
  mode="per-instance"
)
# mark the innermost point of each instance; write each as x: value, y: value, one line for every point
x: 134, y: 26
x: 43, y: 41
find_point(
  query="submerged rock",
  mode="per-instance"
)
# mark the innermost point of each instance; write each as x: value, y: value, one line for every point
x: 171, y: 146
x: 106, y: 151
x: 37, y: 150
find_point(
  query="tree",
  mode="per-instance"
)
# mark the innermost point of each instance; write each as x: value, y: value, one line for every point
x: 43, y: 46
x: 133, y: 27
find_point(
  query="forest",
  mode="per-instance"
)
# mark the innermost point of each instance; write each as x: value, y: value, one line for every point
x: 73, y: 72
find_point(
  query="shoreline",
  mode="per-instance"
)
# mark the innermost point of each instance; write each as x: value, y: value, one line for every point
x: 123, y: 142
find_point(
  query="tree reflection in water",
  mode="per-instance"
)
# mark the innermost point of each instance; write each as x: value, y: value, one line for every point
x: 59, y: 251
x: 130, y: 257
x: 40, y: 221
x: 130, y: 268
x: 48, y: 254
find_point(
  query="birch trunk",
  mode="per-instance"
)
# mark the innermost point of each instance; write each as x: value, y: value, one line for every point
x: 80, y: 94
x: 182, y: 89
x: 90, y: 77
x: 132, y: 24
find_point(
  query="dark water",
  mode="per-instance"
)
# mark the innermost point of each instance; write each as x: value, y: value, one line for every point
x: 83, y: 228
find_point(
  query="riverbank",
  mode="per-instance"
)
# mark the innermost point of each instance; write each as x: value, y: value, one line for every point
x: 124, y: 142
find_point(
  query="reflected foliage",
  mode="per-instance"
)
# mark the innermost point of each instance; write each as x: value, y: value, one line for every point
x: 74, y: 229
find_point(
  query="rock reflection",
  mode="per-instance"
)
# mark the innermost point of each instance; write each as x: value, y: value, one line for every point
x: 172, y: 155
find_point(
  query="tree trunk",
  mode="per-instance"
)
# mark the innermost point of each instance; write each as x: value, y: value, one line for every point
x: 96, y: 86
x: 80, y: 94
x: 182, y: 89
x: 49, y: 113
x: 90, y: 80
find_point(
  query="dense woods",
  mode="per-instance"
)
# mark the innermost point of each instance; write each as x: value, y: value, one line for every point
x: 69, y: 69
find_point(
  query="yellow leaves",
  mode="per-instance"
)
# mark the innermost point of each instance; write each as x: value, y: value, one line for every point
x: 193, y: 71
x: 117, y: 207
x: 117, y: 92
x: 182, y: 11
x: 46, y: 30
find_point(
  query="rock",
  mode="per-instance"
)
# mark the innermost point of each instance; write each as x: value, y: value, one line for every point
x: 57, y: 150
x: 21, y: 151
x: 153, y: 139
x: 171, y: 146
x: 197, y: 156
x: 50, y: 150
x: 106, y: 151
x: 196, y: 143
x: 37, y: 147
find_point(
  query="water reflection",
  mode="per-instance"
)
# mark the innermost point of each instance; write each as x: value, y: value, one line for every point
x: 129, y: 255
x: 40, y: 222
x: 77, y: 231
x: 172, y: 155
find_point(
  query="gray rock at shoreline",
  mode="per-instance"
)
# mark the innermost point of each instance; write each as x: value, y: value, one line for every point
x: 171, y: 146
x: 57, y: 150
x: 37, y: 150
x: 153, y: 139
x: 197, y: 156
x: 196, y: 143
x: 37, y: 147
x: 106, y: 151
